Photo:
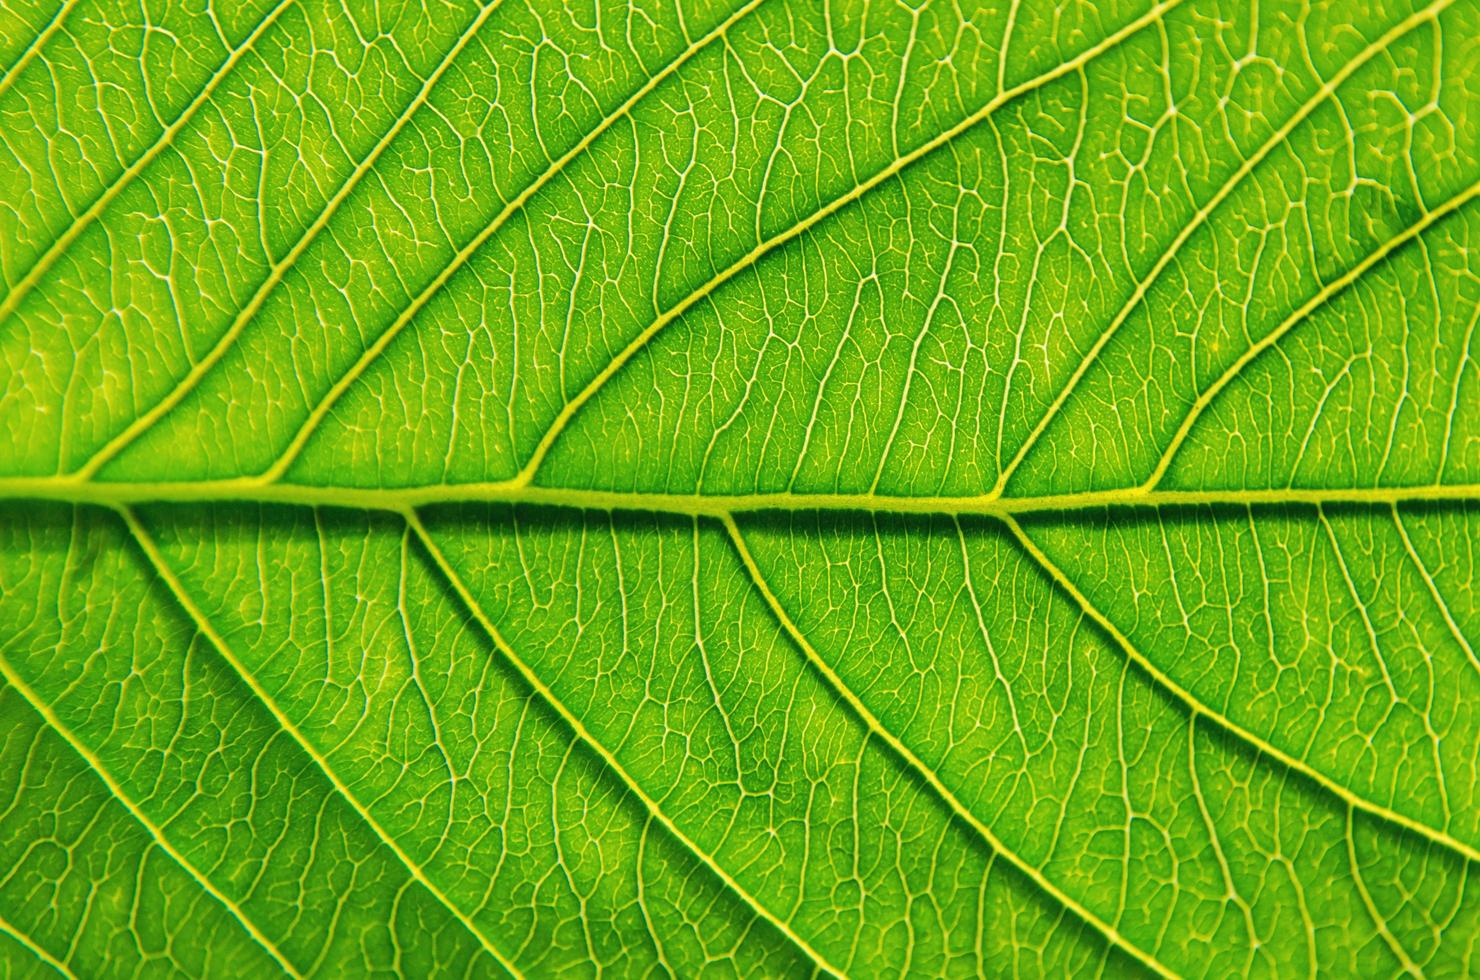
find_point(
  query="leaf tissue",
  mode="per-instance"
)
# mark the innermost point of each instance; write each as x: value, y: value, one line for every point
x: 770, y: 488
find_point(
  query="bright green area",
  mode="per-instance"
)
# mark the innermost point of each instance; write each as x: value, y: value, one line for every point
x: 678, y: 488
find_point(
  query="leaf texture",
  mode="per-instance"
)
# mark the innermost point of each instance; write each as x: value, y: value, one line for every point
x: 777, y: 488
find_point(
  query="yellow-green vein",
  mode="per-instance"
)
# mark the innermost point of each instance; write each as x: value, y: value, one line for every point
x: 207, y: 628
x: 1193, y: 704
x: 81, y: 222
x: 248, y: 312
x: 674, y: 312
x: 1201, y: 215
x: 475, y: 609
x: 156, y: 833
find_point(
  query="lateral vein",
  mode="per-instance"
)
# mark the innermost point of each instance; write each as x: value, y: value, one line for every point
x: 924, y: 771
x: 325, y: 404
x: 610, y: 760
x: 248, y: 312
x: 1322, y: 296
x: 1193, y: 704
x: 10, y: 929
x: 750, y: 258
x: 34, y: 48
x: 182, y: 596
x: 156, y: 833
x: 84, y: 220
x: 1204, y: 212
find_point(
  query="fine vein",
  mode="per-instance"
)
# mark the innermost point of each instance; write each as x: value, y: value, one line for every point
x: 574, y: 405
x: 182, y: 596
x: 248, y: 312
x: 1194, y: 704
x: 612, y: 763
x: 156, y: 833
x: 924, y: 771
x: 84, y: 220
x: 1276, y: 139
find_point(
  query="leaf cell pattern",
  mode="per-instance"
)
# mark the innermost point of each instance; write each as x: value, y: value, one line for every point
x: 548, y: 487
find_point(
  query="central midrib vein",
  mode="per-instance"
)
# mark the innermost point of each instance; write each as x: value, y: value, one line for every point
x: 15, y: 490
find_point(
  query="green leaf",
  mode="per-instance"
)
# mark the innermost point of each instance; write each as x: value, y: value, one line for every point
x: 778, y: 489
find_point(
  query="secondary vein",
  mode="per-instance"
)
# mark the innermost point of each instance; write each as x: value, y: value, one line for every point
x: 84, y: 220
x: 472, y: 246
x: 122, y: 797
x: 1192, y: 703
x: 750, y: 258
x: 614, y: 765
x: 925, y: 772
x: 34, y: 48
x: 1203, y: 213
x: 207, y: 628
x: 248, y: 312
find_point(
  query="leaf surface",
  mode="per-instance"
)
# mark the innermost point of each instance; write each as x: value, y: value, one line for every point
x: 769, y: 488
